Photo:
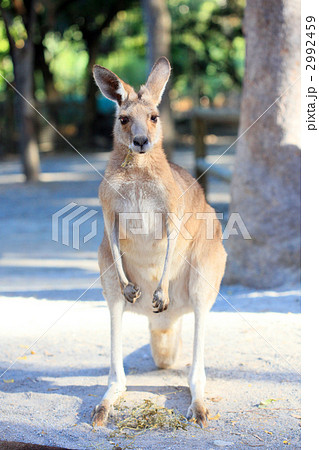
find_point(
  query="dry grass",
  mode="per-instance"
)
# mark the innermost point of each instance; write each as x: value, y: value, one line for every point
x: 149, y: 416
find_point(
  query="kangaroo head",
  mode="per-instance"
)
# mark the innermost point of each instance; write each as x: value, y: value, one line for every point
x: 137, y: 124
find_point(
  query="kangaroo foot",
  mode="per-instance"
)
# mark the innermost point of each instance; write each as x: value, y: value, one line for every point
x: 160, y: 301
x: 131, y: 292
x: 199, y: 412
x: 100, y: 413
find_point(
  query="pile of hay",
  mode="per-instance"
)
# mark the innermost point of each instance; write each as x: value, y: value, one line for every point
x: 149, y: 416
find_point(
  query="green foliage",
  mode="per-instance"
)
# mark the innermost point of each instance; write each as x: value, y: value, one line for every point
x: 6, y: 68
x: 126, y: 39
x: 18, y: 35
x: 207, y: 44
x: 67, y: 58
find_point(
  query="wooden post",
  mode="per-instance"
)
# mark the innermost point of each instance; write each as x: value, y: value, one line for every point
x: 200, y: 117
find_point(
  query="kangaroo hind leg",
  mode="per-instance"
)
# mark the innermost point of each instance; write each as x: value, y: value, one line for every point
x: 116, y: 382
x: 166, y: 343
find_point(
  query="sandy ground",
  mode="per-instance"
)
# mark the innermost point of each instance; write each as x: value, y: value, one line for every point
x: 46, y: 396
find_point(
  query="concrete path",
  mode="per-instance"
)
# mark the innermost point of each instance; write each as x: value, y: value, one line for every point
x: 46, y: 396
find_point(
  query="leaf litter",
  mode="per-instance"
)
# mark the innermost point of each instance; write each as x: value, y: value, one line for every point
x: 149, y: 416
x: 265, y: 403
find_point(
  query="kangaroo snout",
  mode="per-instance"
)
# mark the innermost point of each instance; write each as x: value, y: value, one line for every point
x: 140, y: 143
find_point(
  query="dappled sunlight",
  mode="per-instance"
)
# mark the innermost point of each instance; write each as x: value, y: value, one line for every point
x: 11, y: 178
x: 68, y: 176
x: 49, y: 177
x: 52, y: 263
x: 275, y: 294
x: 92, y: 201
x: 218, y: 197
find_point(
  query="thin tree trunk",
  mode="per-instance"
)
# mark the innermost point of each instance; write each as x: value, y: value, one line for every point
x: 23, y: 67
x: 25, y: 117
x: 50, y: 90
x: 265, y: 187
x: 92, y: 39
x: 7, y: 131
x: 158, y: 24
x: 46, y: 132
x: 90, y: 101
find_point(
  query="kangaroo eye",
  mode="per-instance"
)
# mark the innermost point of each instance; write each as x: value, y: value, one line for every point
x: 154, y: 118
x: 124, y: 120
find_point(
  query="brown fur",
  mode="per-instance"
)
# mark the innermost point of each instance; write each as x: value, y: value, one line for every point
x: 144, y: 274
x: 166, y: 346
x: 200, y: 412
x: 100, y: 413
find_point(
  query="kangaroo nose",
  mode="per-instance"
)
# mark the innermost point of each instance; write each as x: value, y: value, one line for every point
x: 139, y: 141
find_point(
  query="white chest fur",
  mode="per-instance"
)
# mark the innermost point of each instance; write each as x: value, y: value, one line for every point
x: 140, y: 196
x: 141, y: 210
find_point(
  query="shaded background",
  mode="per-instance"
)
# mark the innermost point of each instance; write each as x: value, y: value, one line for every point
x: 203, y: 40
x: 234, y: 88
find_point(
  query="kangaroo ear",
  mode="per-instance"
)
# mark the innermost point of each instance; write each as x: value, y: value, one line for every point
x: 111, y: 86
x: 158, y: 78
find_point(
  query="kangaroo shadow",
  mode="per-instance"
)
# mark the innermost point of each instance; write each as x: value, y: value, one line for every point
x: 140, y: 362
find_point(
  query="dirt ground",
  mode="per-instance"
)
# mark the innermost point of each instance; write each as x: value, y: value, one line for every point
x: 47, y: 391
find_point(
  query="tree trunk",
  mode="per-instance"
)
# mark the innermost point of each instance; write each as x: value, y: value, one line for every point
x: 41, y: 64
x: 23, y: 67
x: 46, y: 133
x: 90, y: 100
x: 158, y: 24
x: 25, y: 115
x: 265, y: 188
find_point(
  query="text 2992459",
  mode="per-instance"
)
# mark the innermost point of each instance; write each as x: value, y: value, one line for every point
x: 310, y: 57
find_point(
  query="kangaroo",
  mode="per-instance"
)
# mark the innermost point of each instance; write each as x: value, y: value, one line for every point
x: 161, y: 275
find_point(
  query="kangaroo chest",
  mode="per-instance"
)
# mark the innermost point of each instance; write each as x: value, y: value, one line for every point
x: 141, y: 210
x: 142, y: 196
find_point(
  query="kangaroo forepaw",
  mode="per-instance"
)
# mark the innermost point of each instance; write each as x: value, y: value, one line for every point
x: 199, y: 413
x: 160, y: 301
x: 100, y: 413
x: 131, y: 292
